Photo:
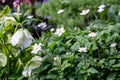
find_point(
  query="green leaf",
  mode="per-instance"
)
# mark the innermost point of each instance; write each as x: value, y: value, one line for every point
x: 34, y: 63
x: 65, y: 65
x: 116, y: 65
x: 3, y: 60
x: 111, y: 76
x: 112, y: 61
x: 6, y: 10
x: 92, y: 70
x: 52, y: 45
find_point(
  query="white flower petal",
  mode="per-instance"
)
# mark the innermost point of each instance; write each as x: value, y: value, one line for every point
x: 36, y: 48
x: 100, y: 10
x: 101, y: 6
x: 17, y: 37
x: 82, y: 49
x: 113, y: 45
x: 92, y: 34
x: 60, y: 11
x: 22, y: 38
x: 84, y: 12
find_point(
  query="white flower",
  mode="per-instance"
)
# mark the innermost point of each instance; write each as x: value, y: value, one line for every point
x: 60, y: 11
x: 52, y: 29
x: 26, y: 73
x: 30, y: 16
x: 42, y: 25
x: 92, y: 34
x: 113, y: 45
x: 22, y: 38
x: 59, y: 31
x: 84, y: 12
x: 101, y: 8
x: 82, y: 49
x: 36, y: 48
x: 119, y: 13
x: 55, y: 58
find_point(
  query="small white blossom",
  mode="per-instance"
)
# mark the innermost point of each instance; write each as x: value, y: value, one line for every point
x: 42, y: 25
x: 52, y: 29
x: 60, y: 11
x: 36, y: 48
x: 59, y: 31
x: 113, y: 45
x: 100, y: 10
x: 101, y: 6
x: 84, y: 12
x: 30, y: 16
x: 92, y: 34
x: 22, y: 38
x: 55, y: 58
x: 82, y: 49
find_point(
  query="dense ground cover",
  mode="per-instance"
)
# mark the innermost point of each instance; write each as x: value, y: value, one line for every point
x: 60, y: 40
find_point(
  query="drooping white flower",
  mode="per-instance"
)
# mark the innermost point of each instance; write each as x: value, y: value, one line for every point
x: 60, y: 11
x: 42, y: 25
x: 36, y: 48
x: 92, y: 34
x: 22, y: 38
x: 113, y: 45
x: 101, y: 8
x: 59, y: 31
x: 84, y: 12
x: 82, y: 49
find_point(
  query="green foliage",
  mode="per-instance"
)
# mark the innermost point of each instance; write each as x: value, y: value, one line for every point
x: 72, y: 8
x: 59, y: 57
